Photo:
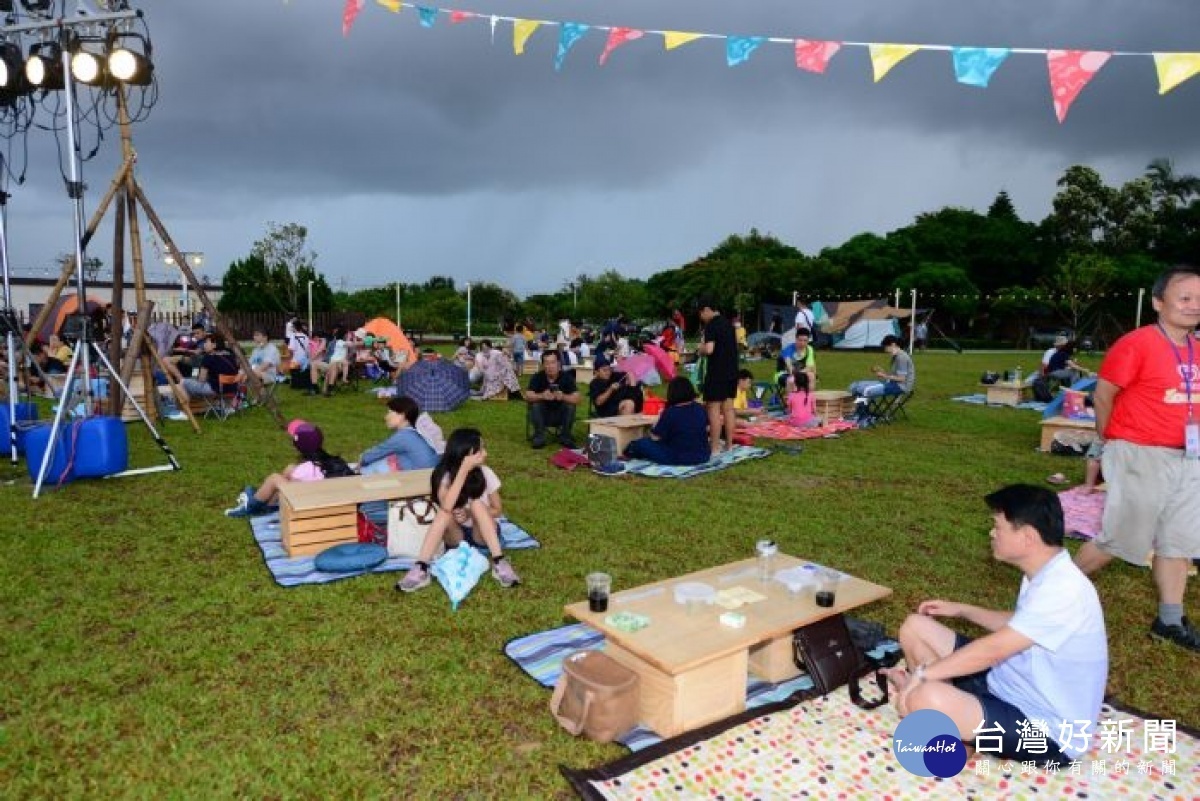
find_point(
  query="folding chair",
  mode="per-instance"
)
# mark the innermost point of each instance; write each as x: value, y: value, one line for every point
x: 552, y: 430
x: 230, y: 397
x: 768, y: 393
x: 884, y: 408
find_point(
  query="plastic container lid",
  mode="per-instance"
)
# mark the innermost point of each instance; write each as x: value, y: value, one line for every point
x: 689, y: 591
x: 796, y: 578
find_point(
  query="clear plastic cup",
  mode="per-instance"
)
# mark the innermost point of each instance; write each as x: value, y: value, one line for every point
x: 599, y: 586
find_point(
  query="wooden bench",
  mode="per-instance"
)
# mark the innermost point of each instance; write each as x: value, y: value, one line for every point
x: 1053, y: 425
x: 313, y: 515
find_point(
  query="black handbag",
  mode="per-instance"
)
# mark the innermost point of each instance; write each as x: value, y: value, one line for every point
x: 827, y: 652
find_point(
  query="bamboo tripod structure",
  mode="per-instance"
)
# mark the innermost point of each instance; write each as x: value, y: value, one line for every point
x: 129, y: 196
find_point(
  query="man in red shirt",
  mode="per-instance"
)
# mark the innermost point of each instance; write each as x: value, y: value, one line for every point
x: 1148, y: 411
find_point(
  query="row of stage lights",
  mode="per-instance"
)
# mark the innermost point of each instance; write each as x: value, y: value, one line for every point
x: 95, y: 61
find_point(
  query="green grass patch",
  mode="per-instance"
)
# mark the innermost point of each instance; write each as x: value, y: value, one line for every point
x: 148, y: 653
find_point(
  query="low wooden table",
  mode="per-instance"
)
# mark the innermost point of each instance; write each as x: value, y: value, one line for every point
x: 313, y: 515
x: 692, y: 669
x: 1052, y: 425
x: 833, y: 404
x: 583, y: 376
x: 624, y: 428
x: 1007, y: 393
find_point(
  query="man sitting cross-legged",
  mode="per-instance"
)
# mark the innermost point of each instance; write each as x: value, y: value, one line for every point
x: 1043, y: 666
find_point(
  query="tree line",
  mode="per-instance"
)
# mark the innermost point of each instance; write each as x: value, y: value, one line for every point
x: 984, y: 275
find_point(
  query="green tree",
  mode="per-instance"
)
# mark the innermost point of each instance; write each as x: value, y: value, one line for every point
x: 290, y: 265
x: 242, y: 289
x: 1078, y: 282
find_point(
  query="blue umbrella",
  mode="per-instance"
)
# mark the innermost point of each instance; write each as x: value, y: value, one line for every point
x: 436, y: 385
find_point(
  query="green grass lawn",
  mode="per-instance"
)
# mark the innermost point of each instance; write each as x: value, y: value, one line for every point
x: 148, y: 653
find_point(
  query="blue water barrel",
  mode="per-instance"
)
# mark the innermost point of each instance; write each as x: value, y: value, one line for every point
x: 101, y: 447
x: 37, y: 440
x: 26, y: 413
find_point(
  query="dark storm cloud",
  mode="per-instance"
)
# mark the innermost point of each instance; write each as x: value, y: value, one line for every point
x: 445, y: 152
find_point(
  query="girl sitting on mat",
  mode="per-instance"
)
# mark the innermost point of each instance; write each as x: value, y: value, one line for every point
x: 680, y: 437
x: 405, y: 449
x: 802, y: 406
x: 316, y: 464
x: 468, y: 501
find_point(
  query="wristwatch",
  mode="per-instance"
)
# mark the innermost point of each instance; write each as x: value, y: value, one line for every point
x: 918, y: 675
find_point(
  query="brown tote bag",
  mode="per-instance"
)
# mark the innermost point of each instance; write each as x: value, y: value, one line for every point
x: 595, y: 696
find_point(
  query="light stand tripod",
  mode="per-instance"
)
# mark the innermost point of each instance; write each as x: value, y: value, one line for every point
x: 7, y: 322
x: 80, y: 359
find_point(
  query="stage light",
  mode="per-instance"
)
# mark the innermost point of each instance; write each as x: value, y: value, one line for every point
x: 43, y: 68
x: 89, y: 66
x: 127, y: 64
x: 12, y: 69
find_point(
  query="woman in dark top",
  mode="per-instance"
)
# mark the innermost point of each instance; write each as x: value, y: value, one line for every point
x: 681, y: 434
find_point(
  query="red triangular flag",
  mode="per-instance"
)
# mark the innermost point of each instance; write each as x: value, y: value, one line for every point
x: 616, y: 38
x: 349, y: 12
x: 814, y: 56
x: 1070, y: 71
x: 461, y: 16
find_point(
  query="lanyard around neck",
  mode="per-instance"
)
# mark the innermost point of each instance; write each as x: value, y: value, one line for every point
x: 1186, y: 372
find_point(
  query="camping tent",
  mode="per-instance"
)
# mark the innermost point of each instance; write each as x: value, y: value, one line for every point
x: 396, y: 340
x: 858, y: 323
x: 64, y: 308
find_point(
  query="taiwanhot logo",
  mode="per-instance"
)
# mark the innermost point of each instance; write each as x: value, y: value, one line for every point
x: 926, y: 744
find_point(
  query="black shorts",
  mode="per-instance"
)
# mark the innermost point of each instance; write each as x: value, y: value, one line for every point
x: 1000, y: 713
x: 716, y: 391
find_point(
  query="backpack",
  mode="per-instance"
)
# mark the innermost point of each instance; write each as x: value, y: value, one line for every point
x: 1041, y: 390
x: 335, y: 467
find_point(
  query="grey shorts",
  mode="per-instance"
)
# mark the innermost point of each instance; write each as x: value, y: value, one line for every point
x: 1153, y: 503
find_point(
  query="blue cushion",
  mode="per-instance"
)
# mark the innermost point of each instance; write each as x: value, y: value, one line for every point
x: 350, y: 557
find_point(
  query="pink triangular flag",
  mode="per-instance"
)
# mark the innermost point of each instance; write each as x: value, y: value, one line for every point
x: 1070, y: 71
x: 814, y: 56
x: 349, y: 12
x: 461, y: 16
x: 616, y: 38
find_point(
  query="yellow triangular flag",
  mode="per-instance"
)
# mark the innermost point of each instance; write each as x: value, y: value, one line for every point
x: 522, y: 30
x: 886, y: 56
x: 673, y: 39
x: 1175, y: 68
x: 393, y: 6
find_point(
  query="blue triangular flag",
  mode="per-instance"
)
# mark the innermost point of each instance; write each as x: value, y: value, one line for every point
x: 569, y: 34
x: 974, y: 66
x: 428, y: 16
x: 739, y: 48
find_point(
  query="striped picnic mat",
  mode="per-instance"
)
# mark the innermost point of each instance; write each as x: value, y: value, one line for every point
x: 782, y: 429
x: 736, y: 454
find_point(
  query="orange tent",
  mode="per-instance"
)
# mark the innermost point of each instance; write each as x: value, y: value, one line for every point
x: 64, y: 308
x: 396, y: 340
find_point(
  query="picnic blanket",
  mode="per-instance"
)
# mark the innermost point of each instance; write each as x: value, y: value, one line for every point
x: 981, y: 400
x: 782, y: 429
x: 541, y: 654
x: 1082, y: 512
x: 829, y: 748
x: 736, y: 454
x: 292, y: 571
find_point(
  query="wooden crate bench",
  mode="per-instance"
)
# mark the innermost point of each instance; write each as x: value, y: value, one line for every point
x: 833, y: 404
x: 1007, y: 393
x: 1052, y: 425
x: 623, y: 428
x: 313, y: 515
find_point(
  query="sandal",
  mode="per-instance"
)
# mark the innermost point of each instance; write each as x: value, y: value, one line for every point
x: 1057, y: 479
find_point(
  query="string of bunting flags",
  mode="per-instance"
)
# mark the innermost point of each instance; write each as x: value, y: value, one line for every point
x: 1070, y: 70
x: 1024, y: 295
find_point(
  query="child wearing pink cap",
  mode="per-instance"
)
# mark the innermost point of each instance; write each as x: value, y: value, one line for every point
x: 315, y: 465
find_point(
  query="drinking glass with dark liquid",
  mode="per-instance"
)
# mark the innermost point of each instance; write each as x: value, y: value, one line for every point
x: 599, y: 585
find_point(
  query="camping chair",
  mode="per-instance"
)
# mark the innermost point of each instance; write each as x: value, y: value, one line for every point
x: 552, y: 430
x: 768, y: 393
x: 885, y: 409
x: 230, y: 397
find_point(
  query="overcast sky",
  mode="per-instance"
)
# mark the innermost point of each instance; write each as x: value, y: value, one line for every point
x: 411, y: 152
